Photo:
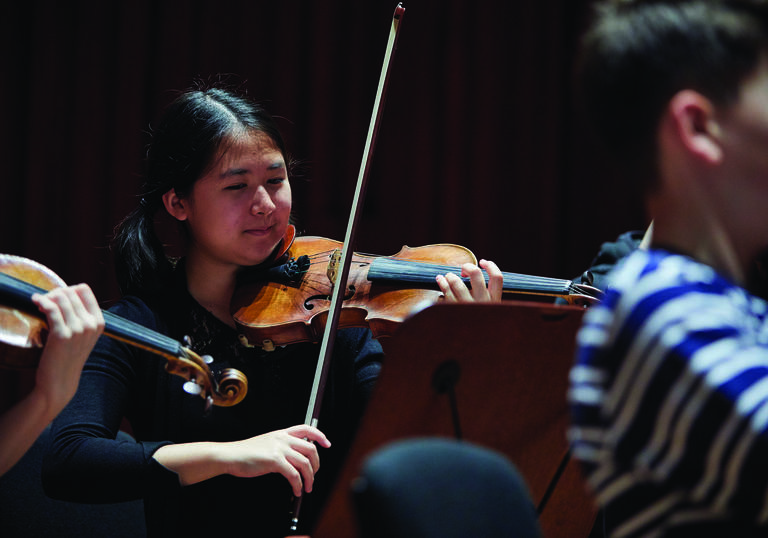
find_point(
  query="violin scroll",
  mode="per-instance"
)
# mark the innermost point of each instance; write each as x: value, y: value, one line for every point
x: 228, y: 390
x: 583, y: 295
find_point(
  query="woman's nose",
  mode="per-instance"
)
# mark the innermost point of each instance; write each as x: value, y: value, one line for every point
x: 262, y: 203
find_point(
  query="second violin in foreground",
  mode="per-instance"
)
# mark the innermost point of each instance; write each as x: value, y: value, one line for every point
x: 23, y: 330
x: 289, y: 304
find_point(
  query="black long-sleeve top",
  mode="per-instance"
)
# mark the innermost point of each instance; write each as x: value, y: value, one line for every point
x: 86, y: 464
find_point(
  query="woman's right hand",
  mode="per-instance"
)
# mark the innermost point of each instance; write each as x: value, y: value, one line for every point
x: 291, y: 452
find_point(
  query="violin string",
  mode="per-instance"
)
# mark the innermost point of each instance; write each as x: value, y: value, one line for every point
x: 581, y: 290
x: 22, y: 290
x: 138, y: 333
x: 17, y: 288
x: 423, y: 267
x: 394, y: 267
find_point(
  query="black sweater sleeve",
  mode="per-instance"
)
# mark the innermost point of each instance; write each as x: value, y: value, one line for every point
x: 84, y: 462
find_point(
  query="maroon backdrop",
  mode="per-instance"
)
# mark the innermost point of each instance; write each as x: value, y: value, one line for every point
x: 479, y: 144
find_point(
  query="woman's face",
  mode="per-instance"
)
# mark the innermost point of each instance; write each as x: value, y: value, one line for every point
x: 238, y: 211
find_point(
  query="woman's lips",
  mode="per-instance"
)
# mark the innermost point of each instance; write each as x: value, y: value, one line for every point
x: 259, y: 231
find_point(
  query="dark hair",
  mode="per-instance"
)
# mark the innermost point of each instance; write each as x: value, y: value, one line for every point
x: 193, y: 130
x: 638, y: 54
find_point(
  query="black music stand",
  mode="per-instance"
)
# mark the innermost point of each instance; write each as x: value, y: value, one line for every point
x: 495, y: 375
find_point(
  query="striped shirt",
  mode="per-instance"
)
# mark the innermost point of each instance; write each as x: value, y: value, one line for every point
x: 669, y: 401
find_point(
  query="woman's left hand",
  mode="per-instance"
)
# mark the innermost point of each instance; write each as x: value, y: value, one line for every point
x: 456, y: 291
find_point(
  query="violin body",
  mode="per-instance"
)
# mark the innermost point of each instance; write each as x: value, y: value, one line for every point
x: 23, y: 331
x: 23, y: 334
x: 278, y: 313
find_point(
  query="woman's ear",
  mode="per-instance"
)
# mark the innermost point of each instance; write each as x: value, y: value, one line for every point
x: 174, y: 204
x: 695, y: 126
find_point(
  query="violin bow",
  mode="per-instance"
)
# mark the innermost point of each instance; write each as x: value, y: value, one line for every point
x: 340, y: 278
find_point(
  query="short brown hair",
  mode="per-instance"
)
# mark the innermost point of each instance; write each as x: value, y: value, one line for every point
x: 638, y: 54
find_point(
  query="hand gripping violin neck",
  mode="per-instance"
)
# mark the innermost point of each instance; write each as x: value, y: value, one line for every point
x: 23, y: 330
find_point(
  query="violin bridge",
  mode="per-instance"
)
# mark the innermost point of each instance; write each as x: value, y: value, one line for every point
x: 333, y: 266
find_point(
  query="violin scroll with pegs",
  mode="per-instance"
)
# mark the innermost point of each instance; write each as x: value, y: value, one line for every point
x: 23, y: 330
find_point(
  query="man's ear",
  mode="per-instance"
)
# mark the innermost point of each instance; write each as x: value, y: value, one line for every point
x: 174, y: 205
x: 692, y: 116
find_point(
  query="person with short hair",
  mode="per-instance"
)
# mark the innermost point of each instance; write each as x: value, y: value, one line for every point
x: 669, y: 390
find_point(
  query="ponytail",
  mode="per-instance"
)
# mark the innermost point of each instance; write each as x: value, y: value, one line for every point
x: 140, y: 259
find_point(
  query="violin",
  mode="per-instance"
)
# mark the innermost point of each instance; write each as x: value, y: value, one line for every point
x: 289, y: 304
x: 23, y: 329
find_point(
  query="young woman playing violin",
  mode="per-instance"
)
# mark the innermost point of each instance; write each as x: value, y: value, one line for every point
x: 75, y: 322
x: 217, y: 164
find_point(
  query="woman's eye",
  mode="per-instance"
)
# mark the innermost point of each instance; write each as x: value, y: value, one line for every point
x: 276, y: 180
x: 235, y: 187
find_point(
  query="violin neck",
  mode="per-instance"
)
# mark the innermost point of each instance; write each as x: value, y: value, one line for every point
x: 18, y: 294
x: 393, y: 270
x: 139, y: 336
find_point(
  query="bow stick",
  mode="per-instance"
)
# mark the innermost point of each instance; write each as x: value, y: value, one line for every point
x: 340, y: 282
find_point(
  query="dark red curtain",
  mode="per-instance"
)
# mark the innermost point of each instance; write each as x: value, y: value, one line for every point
x: 479, y: 145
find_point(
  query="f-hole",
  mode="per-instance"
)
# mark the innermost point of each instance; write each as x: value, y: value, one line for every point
x: 308, y: 302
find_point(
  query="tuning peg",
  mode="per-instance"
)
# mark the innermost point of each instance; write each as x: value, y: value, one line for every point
x: 190, y: 387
